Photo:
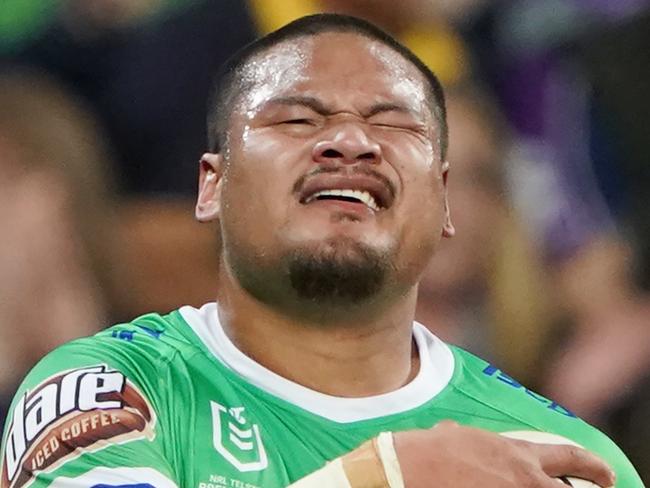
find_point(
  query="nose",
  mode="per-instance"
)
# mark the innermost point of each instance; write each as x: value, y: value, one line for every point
x: 348, y: 144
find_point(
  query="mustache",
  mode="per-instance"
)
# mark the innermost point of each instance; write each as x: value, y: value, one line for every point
x: 347, y: 171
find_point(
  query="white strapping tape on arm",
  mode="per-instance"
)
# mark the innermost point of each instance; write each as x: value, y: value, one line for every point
x: 388, y: 456
x: 331, y: 475
x: 372, y: 465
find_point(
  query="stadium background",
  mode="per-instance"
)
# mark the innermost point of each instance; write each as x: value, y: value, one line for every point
x: 102, y: 106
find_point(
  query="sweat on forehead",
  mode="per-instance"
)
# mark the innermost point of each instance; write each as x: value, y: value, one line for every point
x: 274, y: 58
x: 319, y: 61
x: 268, y: 71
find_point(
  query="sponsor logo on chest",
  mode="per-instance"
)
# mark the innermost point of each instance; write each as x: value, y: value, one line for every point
x: 69, y: 413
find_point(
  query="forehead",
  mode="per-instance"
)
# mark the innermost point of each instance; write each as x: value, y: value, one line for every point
x: 334, y: 64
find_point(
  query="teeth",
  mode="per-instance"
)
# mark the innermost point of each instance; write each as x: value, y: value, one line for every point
x: 362, y: 196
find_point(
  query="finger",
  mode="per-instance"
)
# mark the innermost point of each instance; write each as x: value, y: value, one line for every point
x: 574, y: 461
x: 542, y: 480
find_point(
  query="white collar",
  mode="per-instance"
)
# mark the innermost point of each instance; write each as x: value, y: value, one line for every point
x: 436, y: 370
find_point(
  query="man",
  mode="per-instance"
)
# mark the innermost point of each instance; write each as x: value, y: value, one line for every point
x: 327, y: 179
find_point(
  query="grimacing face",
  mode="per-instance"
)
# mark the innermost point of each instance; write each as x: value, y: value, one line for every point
x: 332, y: 158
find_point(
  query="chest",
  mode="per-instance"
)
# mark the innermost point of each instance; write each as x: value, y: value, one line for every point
x: 228, y: 433
x: 243, y: 441
x: 240, y: 438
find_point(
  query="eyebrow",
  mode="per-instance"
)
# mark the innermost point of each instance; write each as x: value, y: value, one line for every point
x: 320, y: 108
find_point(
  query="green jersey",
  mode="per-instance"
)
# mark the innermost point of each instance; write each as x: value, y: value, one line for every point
x: 169, y: 401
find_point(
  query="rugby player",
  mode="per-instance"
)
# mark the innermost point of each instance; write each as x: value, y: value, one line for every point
x: 326, y: 179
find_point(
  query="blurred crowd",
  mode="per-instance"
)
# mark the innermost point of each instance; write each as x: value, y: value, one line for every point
x: 102, y: 109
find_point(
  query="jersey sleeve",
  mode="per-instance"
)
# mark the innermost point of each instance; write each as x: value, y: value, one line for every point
x: 528, y: 411
x: 599, y: 443
x: 91, y: 414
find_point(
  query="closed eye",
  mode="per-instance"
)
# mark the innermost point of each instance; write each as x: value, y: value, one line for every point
x: 397, y: 120
x: 392, y: 126
x: 415, y: 128
x: 299, y: 122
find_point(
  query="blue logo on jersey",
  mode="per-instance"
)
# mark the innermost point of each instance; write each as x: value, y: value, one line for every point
x: 103, y: 477
x: 138, y: 485
x: 127, y: 335
x: 152, y: 332
x: 495, y: 372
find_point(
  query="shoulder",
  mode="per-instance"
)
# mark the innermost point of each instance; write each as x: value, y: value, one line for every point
x: 478, y: 378
x: 146, y: 342
x: 523, y: 409
x: 140, y: 350
x: 122, y: 364
x: 105, y: 390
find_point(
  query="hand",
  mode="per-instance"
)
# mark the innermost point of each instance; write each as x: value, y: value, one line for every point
x: 450, y: 456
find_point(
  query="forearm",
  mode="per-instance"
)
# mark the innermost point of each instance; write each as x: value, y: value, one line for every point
x: 374, y: 464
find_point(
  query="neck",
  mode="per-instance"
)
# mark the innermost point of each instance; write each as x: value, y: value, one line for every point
x: 363, y: 355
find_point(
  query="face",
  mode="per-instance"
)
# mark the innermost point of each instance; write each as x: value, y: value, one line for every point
x: 332, y: 176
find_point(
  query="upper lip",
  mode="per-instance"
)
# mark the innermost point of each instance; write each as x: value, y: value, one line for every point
x: 379, y: 186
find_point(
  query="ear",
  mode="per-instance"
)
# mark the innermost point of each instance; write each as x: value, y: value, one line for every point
x: 208, y: 203
x: 448, y: 229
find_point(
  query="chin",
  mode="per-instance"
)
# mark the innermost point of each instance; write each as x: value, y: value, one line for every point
x: 344, y: 247
x: 339, y: 242
x: 341, y: 270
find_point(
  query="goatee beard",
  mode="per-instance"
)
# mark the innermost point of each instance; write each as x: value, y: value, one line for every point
x: 338, y: 272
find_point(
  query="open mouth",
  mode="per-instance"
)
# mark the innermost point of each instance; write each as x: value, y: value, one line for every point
x: 345, y: 195
x: 375, y: 192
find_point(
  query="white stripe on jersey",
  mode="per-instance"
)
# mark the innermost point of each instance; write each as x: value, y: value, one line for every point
x: 116, y: 478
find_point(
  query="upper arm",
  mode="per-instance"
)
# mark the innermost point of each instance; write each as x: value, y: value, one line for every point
x: 86, y: 417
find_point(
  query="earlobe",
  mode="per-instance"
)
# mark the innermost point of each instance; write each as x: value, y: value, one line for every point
x: 208, y: 204
x: 448, y: 229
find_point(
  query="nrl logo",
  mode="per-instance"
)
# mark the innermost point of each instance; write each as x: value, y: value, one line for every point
x: 236, y: 439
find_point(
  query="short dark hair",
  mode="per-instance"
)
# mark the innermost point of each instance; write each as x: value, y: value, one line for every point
x: 229, y: 81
